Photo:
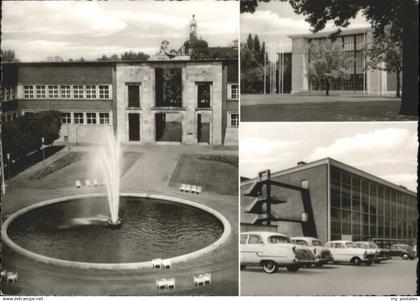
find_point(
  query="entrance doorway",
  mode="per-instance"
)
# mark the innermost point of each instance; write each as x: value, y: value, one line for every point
x: 134, y: 127
x: 203, y: 130
x: 168, y: 127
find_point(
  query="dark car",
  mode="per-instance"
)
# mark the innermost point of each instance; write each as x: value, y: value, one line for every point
x: 402, y: 250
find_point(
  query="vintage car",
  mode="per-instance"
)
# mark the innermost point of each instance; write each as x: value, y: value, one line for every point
x: 347, y: 251
x: 402, y: 250
x: 321, y: 253
x: 381, y: 254
x: 272, y: 250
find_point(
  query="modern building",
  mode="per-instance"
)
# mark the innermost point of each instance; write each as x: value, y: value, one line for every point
x: 331, y: 200
x: 169, y: 98
x: 355, y: 42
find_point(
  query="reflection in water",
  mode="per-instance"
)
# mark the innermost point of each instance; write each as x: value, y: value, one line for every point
x: 152, y: 228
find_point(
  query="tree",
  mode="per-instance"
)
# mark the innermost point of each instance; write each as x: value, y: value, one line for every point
x: 8, y: 55
x: 401, y: 14
x: 23, y: 135
x: 200, y: 49
x: 134, y: 56
x: 386, y: 50
x: 327, y: 62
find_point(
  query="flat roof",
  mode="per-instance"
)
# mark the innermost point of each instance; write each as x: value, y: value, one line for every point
x: 341, y: 165
x: 328, y: 33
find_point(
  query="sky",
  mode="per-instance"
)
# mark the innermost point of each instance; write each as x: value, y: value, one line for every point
x: 275, y: 20
x: 74, y: 29
x: 387, y: 150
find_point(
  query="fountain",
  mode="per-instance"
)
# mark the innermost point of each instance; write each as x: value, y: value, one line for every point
x: 109, y: 157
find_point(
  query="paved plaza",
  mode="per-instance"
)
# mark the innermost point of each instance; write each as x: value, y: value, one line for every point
x: 149, y: 169
x: 393, y: 277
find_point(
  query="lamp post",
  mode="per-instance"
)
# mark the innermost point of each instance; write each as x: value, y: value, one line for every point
x: 42, y: 146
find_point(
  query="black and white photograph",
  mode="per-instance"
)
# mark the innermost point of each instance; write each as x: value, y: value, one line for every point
x: 119, y: 148
x: 328, y: 209
x: 329, y: 60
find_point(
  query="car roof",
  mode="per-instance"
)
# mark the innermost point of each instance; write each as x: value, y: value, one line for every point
x: 264, y: 233
x: 343, y: 241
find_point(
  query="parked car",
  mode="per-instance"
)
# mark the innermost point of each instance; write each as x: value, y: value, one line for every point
x: 347, y: 251
x: 402, y: 250
x: 272, y: 250
x: 381, y: 254
x: 321, y: 253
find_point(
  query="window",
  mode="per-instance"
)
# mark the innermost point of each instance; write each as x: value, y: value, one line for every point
x: 339, y: 245
x: 203, y: 95
x: 90, y: 92
x: 316, y: 243
x: 52, y: 91
x: 234, y: 120
x: 255, y: 239
x: 91, y: 118
x: 40, y: 92
x: 104, y: 118
x: 103, y: 92
x: 78, y: 118
x: 301, y: 242
x: 243, y: 238
x: 78, y: 92
x: 276, y: 239
x: 65, y: 91
x: 133, y: 96
x: 12, y: 93
x: 6, y: 94
x: 65, y: 118
x: 28, y: 92
x: 233, y: 91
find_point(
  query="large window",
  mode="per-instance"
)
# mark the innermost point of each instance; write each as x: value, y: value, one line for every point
x: 234, y: 120
x: 52, y: 91
x: 91, y: 118
x: 78, y: 92
x: 28, y: 92
x: 90, y: 92
x: 65, y: 118
x: 203, y: 95
x: 104, y: 118
x: 168, y: 87
x: 103, y: 92
x: 133, y: 95
x: 233, y: 91
x: 65, y: 91
x: 40, y: 91
x: 78, y: 118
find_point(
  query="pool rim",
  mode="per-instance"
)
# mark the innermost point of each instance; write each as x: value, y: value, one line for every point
x: 114, y: 266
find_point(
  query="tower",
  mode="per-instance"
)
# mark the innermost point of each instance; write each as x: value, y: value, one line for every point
x: 193, y: 29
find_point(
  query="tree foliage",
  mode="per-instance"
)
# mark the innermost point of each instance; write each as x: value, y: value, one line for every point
x: 327, y: 62
x: 126, y: 56
x: 8, y: 55
x: 23, y: 135
x: 386, y: 54
x: 252, y: 65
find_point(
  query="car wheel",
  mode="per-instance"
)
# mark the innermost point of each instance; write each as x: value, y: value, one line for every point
x: 243, y: 267
x: 319, y: 264
x: 377, y: 261
x: 369, y: 262
x: 404, y: 256
x: 293, y: 268
x: 270, y: 267
x: 356, y: 261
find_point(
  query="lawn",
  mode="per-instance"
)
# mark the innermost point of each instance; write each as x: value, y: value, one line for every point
x: 333, y: 111
x: 213, y: 175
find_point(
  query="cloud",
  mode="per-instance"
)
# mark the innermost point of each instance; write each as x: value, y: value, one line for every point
x: 60, y: 18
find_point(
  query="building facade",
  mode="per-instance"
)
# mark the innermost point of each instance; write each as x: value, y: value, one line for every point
x: 355, y: 43
x: 331, y: 200
x: 127, y: 96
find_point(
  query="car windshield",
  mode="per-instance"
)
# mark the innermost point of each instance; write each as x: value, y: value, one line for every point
x: 277, y: 239
x: 373, y: 245
x: 405, y: 247
x: 350, y: 245
x: 316, y: 243
x: 360, y: 245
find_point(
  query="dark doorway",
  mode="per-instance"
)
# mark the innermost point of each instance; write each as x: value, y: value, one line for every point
x: 134, y: 127
x: 168, y: 127
x: 203, y: 130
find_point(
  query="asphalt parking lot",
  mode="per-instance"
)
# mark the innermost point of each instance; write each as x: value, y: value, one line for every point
x: 392, y: 277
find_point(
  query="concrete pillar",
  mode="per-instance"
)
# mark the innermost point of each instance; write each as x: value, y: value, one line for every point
x: 299, y: 61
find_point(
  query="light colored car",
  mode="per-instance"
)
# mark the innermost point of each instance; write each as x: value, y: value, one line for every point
x: 381, y: 254
x: 272, y: 250
x: 321, y: 253
x: 347, y: 251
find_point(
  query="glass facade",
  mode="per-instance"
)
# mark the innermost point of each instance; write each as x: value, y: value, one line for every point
x: 368, y: 210
x: 354, y: 47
